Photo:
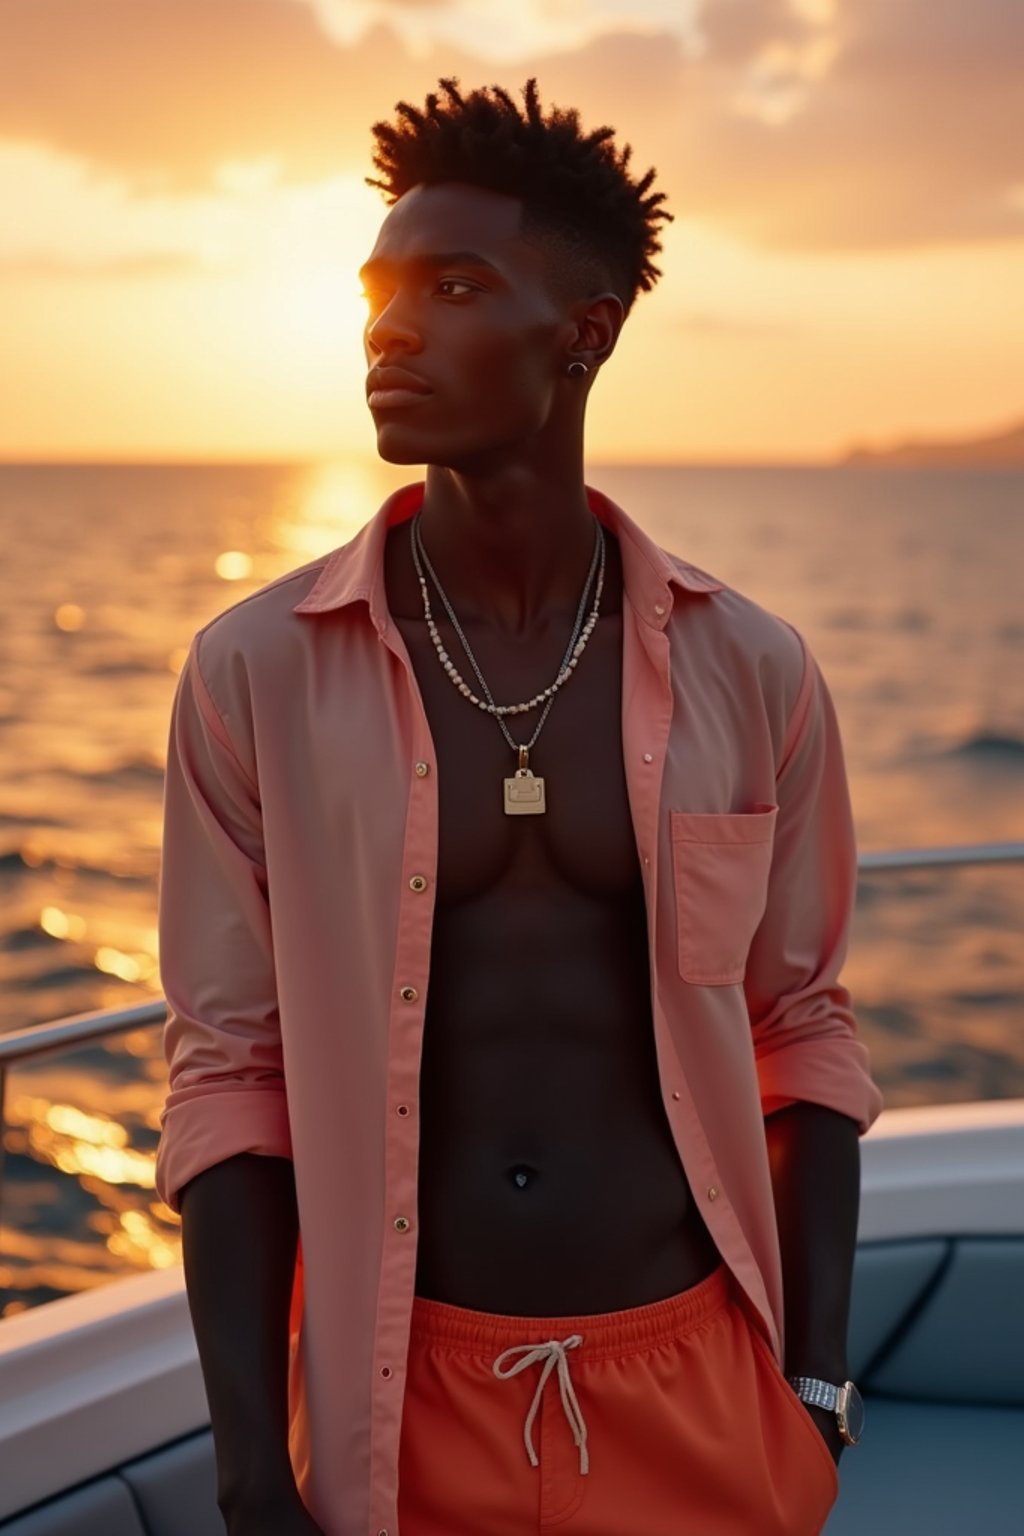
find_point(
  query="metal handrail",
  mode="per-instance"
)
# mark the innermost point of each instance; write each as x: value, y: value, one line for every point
x: 959, y: 853
x: 76, y: 1029
x: 80, y: 1029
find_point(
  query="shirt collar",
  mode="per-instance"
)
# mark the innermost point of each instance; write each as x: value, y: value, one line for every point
x: 356, y: 570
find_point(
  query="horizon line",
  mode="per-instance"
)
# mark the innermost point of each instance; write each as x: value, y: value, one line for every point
x: 850, y: 460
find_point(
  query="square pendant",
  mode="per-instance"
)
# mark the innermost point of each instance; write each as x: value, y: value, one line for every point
x: 524, y: 794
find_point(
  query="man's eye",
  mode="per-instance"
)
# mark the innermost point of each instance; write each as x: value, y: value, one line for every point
x: 450, y: 283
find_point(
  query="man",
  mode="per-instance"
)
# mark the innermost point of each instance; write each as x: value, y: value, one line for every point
x: 508, y: 874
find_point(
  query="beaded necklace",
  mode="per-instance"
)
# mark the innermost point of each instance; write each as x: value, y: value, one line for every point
x: 524, y: 790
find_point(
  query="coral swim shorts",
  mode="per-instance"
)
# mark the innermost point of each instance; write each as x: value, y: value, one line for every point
x: 671, y: 1419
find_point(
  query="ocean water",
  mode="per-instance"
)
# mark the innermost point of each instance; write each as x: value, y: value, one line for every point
x: 907, y: 584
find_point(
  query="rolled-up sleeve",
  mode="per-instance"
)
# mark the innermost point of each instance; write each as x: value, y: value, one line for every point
x: 222, y: 1037
x: 804, y: 1029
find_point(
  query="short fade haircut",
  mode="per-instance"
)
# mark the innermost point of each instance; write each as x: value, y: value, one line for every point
x: 578, y: 197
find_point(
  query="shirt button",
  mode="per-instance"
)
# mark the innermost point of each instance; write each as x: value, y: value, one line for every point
x: 712, y: 1193
x: 385, y: 1371
x: 403, y: 1109
x: 659, y: 608
x: 401, y: 1224
x: 646, y: 859
x: 422, y: 769
x: 648, y: 758
x: 418, y: 883
x: 675, y: 1095
x: 408, y: 994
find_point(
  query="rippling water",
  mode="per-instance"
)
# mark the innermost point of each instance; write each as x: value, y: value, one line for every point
x: 907, y: 585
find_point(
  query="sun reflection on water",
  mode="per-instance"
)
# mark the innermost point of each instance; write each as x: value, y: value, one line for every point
x: 133, y: 964
x: 134, y: 967
x: 78, y: 1143
x: 233, y: 565
x: 107, y: 1191
x: 328, y: 507
x: 69, y: 616
x: 62, y: 925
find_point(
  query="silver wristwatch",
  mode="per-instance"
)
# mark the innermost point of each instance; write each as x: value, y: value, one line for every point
x: 845, y: 1402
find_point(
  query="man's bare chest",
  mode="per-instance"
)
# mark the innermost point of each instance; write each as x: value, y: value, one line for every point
x: 584, y: 841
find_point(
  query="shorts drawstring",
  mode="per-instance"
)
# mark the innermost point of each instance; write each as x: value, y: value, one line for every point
x: 552, y: 1353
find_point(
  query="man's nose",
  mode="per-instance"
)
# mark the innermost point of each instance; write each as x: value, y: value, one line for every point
x: 393, y: 327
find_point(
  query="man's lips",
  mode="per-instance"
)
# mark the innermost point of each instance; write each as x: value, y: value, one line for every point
x: 390, y: 387
x: 387, y: 399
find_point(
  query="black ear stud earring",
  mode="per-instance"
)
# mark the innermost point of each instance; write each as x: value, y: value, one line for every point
x: 577, y: 370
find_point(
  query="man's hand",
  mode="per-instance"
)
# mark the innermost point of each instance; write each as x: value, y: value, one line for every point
x: 828, y: 1427
x: 286, y: 1516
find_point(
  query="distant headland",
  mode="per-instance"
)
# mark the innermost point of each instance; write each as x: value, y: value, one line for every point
x: 997, y: 450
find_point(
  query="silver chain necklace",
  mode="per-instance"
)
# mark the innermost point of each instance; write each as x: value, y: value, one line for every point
x: 524, y: 791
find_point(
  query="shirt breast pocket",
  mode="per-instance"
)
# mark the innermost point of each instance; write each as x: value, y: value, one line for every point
x: 720, y: 864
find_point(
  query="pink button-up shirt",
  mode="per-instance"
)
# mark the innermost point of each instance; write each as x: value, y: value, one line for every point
x: 296, y: 903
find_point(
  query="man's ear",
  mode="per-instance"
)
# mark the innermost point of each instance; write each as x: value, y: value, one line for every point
x: 598, y: 323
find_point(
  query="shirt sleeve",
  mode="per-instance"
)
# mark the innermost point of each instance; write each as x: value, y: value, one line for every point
x: 804, y: 1029
x: 222, y: 1037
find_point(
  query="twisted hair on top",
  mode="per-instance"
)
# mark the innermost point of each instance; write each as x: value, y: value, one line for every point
x: 577, y: 194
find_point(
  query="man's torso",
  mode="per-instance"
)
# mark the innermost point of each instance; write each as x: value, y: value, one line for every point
x: 548, y: 1177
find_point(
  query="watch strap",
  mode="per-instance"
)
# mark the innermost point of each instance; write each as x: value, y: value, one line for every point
x: 816, y: 1393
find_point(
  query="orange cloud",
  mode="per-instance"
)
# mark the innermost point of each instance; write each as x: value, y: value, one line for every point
x: 165, y: 91
x: 790, y: 123
x: 736, y: 31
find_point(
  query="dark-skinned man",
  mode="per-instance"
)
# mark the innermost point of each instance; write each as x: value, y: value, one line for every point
x: 508, y: 874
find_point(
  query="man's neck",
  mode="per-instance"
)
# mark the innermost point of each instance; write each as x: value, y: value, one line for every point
x: 511, y: 547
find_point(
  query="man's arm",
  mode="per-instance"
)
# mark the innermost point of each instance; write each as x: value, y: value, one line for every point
x: 804, y: 1030
x: 239, y: 1237
x: 814, y: 1155
x: 817, y: 1094
x: 224, y: 1158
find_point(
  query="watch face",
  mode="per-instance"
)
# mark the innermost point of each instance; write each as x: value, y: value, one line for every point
x: 852, y: 1418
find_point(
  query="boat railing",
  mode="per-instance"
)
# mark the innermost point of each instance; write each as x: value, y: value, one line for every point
x: 52, y: 1036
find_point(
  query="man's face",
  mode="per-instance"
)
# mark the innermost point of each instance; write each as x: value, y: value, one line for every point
x: 464, y: 341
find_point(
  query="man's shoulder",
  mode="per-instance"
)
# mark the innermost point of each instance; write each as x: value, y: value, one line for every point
x: 742, y: 630
x: 250, y: 633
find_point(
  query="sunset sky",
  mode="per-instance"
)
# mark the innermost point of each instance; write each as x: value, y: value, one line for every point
x: 182, y: 213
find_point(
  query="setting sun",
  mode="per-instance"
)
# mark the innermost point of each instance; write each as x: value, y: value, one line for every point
x: 306, y: 291
x: 317, y: 311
